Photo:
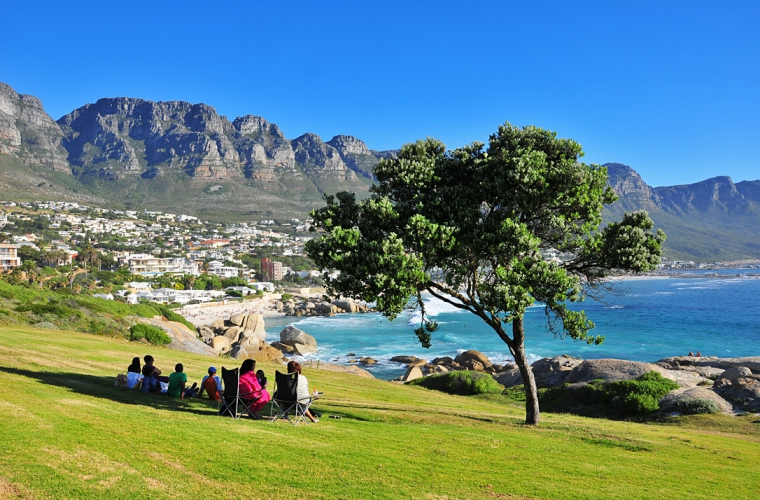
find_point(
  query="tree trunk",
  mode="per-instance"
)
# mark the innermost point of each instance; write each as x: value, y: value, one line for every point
x: 532, y: 414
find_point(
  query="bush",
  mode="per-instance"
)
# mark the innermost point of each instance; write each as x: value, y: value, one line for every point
x: 694, y: 406
x: 287, y: 296
x: 465, y: 383
x: 638, y: 396
x: 152, y: 334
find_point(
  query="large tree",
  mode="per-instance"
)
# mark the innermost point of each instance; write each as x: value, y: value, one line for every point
x: 490, y: 230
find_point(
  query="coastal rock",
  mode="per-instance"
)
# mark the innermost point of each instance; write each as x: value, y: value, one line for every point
x: 221, y: 344
x: 352, y: 369
x: 444, y: 360
x: 249, y: 341
x: 610, y: 370
x: 291, y: 335
x: 284, y: 348
x: 237, y: 319
x: 509, y: 378
x: 346, y: 305
x: 367, y: 361
x: 205, y: 333
x: 412, y: 373
x: 232, y: 332
x: 472, y: 354
x: 550, y: 372
x: 735, y: 373
x: 302, y: 349
x: 744, y: 392
x: 440, y: 369
x: 217, y: 324
x: 404, y: 359
x: 751, y: 362
x: 238, y: 352
x: 670, y: 400
x: 183, y: 338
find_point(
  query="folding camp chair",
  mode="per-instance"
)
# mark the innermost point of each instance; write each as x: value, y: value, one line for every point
x: 228, y: 403
x: 285, y: 400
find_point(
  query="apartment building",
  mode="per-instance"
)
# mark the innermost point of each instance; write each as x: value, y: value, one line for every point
x: 9, y: 258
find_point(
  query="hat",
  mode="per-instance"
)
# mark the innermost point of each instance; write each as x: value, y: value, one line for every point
x: 212, y: 369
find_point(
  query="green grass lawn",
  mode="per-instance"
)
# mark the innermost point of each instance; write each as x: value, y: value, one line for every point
x: 66, y: 432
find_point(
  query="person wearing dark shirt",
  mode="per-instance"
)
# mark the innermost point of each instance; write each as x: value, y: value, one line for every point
x: 152, y: 376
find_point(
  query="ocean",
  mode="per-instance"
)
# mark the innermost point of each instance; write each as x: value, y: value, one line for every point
x: 645, y: 320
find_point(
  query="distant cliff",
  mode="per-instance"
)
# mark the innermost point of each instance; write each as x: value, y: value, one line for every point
x: 706, y: 221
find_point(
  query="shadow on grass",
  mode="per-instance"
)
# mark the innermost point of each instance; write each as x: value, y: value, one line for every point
x: 102, y: 387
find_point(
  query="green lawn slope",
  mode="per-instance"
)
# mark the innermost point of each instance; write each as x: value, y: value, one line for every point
x: 66, y: 432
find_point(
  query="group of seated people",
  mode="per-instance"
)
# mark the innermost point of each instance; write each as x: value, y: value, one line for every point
x: 252, y: 384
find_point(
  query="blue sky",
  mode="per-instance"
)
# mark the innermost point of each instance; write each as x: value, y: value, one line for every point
x: 669, y: 88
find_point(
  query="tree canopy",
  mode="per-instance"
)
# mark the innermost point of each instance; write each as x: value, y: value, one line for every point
x: 489, y: 229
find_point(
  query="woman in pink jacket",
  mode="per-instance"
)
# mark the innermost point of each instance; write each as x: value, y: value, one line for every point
x: 250, y: 390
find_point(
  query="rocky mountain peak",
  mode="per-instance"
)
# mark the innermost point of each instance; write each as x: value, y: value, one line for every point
x: 347, y: 144
x: 28, y: 132
x: 256, y: 125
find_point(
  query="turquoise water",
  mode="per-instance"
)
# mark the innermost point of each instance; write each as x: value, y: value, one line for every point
x: 645, y: 320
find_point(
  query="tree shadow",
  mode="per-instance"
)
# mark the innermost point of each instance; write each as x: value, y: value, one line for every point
x: 102, y: 387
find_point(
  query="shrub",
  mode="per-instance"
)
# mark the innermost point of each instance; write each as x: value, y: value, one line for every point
x: 152, y: 334
x: 638, y: 396
x: 460, y: 382
x: 287, y: 296
x: 695, y: 406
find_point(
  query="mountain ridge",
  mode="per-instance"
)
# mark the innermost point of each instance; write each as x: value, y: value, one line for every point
x: 179, y: 156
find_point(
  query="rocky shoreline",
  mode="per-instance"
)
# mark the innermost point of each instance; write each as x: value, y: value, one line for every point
x: 731, y: 384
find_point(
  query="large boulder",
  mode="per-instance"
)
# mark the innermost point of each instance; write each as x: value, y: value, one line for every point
x: 221, y: 344
x: 346, y: 305
x: 509, y: 378
x: 183, y: 338
x: 267, y: 354
x: 350, y: 369
x: 291, y: 335
x: 550, y: 372
x: 205, y: 333
x: 249, y: 341
x: 302, y: 349
x: 474, y: 355
x: 255, y: 323
x: 411, y: 374
x: 232, y: 332
x: 404, y: 359
x: 239, y: 352
x: 237, y: 319
x: 610, y: 370
x: 735, y: 373
x: 670, y: 401
x: 744, y: 392
x: 284, y: 348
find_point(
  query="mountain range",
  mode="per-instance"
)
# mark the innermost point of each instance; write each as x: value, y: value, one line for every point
x: 180, y: 157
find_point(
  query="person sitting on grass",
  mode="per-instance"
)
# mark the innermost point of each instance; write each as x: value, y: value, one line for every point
x: 152, y: 376
x: 135, y: 366
x: 212, y: 384
x: 250, y: 390
x: 302, y: 390
x: 177, y: 381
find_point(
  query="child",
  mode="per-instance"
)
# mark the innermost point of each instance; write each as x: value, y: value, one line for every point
x: 262, y: 379
x: 212, y: 385
x: 177, y: 381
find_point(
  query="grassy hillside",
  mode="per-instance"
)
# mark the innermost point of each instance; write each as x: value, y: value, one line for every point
x: 68, y: 433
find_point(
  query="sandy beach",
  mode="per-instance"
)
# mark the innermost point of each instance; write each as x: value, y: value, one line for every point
x: 205, y: 315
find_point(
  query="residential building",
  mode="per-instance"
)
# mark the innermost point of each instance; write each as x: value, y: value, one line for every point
x: 272, y: 269
x: 9, y: 258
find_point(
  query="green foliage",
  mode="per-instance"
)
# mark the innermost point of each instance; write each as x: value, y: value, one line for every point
x: 640, y: 396
x: 473, y: 226
x: 463, y: 382
x: 234, y: 282
x: 694, y: 406
x: 172, y: 316
x: 152, y: 334
x: 287, y: 296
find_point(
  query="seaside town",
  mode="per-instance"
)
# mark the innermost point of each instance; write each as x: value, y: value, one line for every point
x: 159, y: 257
